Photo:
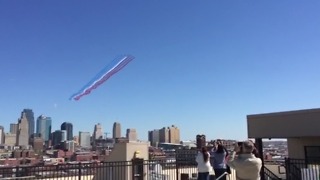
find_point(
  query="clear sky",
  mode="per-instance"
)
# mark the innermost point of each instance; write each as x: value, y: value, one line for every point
x: 200, y: 65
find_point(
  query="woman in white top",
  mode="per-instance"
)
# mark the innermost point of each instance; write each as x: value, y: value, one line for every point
x: 204, y: 166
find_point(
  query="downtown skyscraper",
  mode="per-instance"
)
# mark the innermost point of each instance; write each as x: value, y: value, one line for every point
x: 13, y: 128
x: 154, y: 137
x: 2, y: 135
x: 30, y: 117
x: 131, y: 134
x: 44, y: 127
x: 69, y: 128
x: 58, y: 137
x: 116, y: 131
x: 84, y: 139
x: 23, y: 131
x: 169, y: 134
x: 97, y: 132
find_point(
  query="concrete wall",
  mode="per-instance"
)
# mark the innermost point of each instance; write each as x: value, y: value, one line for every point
x: 118, y: 153
x: 290, y: 124
x: 132, y: 147
x: 122, y: 153
x: 296, y: 146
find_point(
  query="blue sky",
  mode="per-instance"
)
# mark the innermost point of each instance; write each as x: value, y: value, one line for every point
x: 202, y: 66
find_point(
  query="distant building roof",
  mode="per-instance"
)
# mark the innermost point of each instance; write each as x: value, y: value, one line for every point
x: 170, y: 144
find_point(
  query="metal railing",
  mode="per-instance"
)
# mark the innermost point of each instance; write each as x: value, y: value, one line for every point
x: 269, y: 175
x: 179, y: 165
x: 152, y: 169
x: 60, y: 171
x: 302, y: 169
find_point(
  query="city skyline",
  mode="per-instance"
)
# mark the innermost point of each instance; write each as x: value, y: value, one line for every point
x: 14, y: 125
x: 44, y: 130
x: 197, y: 65
x: 106, y: 133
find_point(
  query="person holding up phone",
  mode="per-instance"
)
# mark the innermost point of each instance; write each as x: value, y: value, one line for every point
x: 204, y: 165
x: 219, y: 161
x: 246, y: 164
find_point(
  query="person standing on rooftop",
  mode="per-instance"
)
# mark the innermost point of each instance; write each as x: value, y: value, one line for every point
x: 246, y: 164
x: 219, y: 161
x: 204, y: 166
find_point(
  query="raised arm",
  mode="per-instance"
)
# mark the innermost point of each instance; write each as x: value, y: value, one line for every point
x: 232, y: 161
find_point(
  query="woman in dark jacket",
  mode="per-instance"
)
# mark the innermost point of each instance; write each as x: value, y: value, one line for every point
x: 219, y: 161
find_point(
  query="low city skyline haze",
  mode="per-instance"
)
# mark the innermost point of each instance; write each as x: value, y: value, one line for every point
x: 201, y: 66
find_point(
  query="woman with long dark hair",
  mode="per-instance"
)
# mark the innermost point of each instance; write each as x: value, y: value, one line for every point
x: 219, y: 161
x: 204, y: 166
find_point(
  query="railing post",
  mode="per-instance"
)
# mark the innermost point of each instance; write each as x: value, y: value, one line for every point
x: 79, y: 170
x: 287, y: 167
x: 177, y: 166
x: 16, y: 174
x: 306, y: 162
x: 259, y: 146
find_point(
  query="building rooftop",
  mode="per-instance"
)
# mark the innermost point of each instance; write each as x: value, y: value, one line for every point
x: 302, y: 111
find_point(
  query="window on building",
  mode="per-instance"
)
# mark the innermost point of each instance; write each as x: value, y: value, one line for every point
x: 312, y: 153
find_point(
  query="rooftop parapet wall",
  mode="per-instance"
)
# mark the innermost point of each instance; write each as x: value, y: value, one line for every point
x: 289, y: 124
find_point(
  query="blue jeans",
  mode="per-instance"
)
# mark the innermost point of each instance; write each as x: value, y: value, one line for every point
x: 203, y: 175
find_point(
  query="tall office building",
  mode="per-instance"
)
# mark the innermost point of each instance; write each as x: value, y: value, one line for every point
x: 69, y: 128
x: 2, y: 135
x: 64, y: 135
x: 44, y: 127
x: 13, y: 128
x: 132, y: 135
x: 76, y: 140
x: 58, y: 137
x: 37, y: 144
x: 169, y: 135
x: 30, y: 117
x: 116, y: 130
x: 69, y: 145
x: 23, y: 133
x: 174, y: 135
x: 97, y: 132
x: 164, y: 135
x: 84, y: 139
x: 10, y: 139
x: 153, y: 137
